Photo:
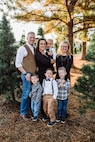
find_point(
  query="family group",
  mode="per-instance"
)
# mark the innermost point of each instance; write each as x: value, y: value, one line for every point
x: 45, y: 78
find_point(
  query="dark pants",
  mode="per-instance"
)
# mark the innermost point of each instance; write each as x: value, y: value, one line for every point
x: 62, y: 108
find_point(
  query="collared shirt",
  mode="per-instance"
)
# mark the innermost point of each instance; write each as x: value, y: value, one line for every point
x: 63, y: 92
x: 50, y: 87
x: 21, y: 53
x: 53, y: 52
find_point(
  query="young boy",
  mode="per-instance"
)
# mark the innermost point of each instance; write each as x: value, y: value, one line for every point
x: 50, y: 50
x: 50, y: 91
x: 35, y: 96
x: 63, y: 93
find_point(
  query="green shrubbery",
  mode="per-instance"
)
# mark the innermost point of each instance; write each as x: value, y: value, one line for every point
x: 86, y: 87
x: 90, y: 56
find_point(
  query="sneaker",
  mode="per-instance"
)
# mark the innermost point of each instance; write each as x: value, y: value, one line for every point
x: 50, y: 124
x: 34, y: 119
x: 45, y: 118
x: 24, y: 117
x: 63, y: 120
x: 58, y: 119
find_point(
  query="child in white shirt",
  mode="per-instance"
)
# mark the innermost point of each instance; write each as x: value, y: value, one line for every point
x: 50, y: 91
x: 50, y: 50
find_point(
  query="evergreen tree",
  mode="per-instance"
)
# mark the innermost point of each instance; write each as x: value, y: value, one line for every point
x: 91, y: 50
x: 56, y: 46
x: 8, y: 72
x: 86, y: 86
x: 40, y: 32
x: 22, y: 41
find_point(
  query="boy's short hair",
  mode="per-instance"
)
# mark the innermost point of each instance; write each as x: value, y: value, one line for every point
x: 49, y: 69
x: 50, y: 40
x: 35, y: 74
x: 62, y: 69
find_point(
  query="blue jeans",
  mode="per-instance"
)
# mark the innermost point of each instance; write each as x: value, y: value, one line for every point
x: 62, y: 108
x: 25, y: 100
x: 35, y: 106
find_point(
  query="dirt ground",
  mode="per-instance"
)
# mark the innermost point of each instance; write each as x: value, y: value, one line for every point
x: 77, y: 128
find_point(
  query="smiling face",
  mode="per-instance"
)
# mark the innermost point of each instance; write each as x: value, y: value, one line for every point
x: 31, y: 38
x: 62, y: 72
x: 49, y: 43
x: 42, y: 45
x: 49, y: 74
x: 64, y: 48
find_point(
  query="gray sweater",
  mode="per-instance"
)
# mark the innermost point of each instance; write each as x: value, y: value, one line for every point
x: 36, y: 92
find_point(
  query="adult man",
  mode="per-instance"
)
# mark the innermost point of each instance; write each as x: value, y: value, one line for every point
x: 25, y: 62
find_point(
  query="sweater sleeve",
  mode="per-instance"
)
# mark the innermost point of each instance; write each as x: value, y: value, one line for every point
x: 39, y: 94
x: 30, y: 94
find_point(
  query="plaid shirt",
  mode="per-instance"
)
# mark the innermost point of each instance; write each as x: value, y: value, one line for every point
x: 63, y: 92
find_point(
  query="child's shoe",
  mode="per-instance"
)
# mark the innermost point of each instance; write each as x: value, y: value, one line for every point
x: 34, y: 119
x: 58, y: 119
x: 50, y: 124
x: 24, y: 117
x: 63, y: 120
x: 46, y: 118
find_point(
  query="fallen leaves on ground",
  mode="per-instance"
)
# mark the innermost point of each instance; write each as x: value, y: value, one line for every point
x: 77, y: 128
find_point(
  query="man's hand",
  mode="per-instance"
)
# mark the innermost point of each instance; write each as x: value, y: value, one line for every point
x: 28, y: 76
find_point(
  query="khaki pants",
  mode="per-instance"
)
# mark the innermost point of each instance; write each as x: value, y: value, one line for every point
x: 50, y: 106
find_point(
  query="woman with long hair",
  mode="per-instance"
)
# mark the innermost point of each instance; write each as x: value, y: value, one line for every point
x: 64, y: 58
x: 42, y: 60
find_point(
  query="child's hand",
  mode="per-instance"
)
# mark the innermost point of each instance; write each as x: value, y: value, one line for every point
x: 52, y: 61
x: 50, y: 53
x: 30, y: 96
x: 61, y: 82
x: 61, y: 85
x: 54, y: 97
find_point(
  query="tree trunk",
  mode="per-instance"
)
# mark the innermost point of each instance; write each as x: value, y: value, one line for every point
x: 83, y: 50
x: 70, y: 34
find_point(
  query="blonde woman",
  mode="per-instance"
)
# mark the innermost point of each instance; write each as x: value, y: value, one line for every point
x: 64, y: 58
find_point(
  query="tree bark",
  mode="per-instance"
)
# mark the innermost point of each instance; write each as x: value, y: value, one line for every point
x: 70, y: 34
x: 83, y: 50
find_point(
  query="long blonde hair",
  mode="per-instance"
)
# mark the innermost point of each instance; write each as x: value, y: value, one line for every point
x: 59, y: 51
